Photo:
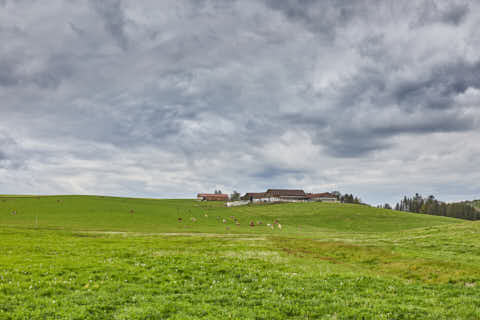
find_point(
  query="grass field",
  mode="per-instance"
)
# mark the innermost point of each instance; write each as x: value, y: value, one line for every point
x: 89, y: 257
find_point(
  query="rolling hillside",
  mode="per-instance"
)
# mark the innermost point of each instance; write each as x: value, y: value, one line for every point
x: 89, y: 257
x: 149, y: 215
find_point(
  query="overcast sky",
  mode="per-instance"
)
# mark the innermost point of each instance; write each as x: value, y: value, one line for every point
x: 170, y: 98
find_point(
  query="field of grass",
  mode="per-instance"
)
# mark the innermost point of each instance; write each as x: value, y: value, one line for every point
x: 89, y: 257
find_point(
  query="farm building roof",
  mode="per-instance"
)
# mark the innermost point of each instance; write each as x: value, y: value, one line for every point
x: 254, y: 195
x: 320, y: 195
x: 285, y: 193
x: 213, y: 195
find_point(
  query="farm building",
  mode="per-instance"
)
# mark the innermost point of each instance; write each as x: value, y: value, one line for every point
x: 274, y: 195
x: 323, y: 197
x: 253, y: 196
x: 285, y: 194
x: 212, y: 197
x: 288, y: 195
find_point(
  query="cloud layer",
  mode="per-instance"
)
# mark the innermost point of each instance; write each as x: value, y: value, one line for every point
x: 164, y: 99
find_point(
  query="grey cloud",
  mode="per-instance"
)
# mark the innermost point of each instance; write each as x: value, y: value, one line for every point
x: 438, y: 90
x: 13, y: 72
x: 7, y: 74
x: 271, y: 172
x: 326, y: 17
x: 344, y: 142
x: 11, y: 155
x: 456, y: 14
x: 450, y: 12
x: 112, y: 13
x: 321, y: 18
x: 423, y: 125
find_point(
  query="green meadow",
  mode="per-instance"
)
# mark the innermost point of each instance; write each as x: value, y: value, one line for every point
x: 92, y: 257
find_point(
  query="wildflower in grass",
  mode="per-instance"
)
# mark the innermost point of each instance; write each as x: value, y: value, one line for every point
x: 193, y: 219
x: 279, y: 226
x: 224, y: 221
x: 206, y: 215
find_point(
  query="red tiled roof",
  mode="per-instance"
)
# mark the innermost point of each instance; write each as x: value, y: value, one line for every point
x: 213, y: 196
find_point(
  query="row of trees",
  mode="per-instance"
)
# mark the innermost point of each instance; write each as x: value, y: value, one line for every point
x: 430, y: 205
x: 349, y: 198
x: 346, y: 198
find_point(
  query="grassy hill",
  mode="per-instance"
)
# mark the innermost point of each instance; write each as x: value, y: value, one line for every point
x: 149, y: 215
x: 87, y: 257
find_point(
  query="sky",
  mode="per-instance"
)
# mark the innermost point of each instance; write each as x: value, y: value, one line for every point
x: 169, y: 98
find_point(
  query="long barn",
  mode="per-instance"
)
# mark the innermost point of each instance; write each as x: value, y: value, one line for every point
x: 290, y: 195
x: 212, y: 197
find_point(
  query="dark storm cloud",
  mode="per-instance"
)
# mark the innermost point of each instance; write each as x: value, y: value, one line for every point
x: 438, y: 90
x: 203, y: 93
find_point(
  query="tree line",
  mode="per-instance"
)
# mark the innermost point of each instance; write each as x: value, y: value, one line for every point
x: 432, y: 206
x: 346, y: 198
